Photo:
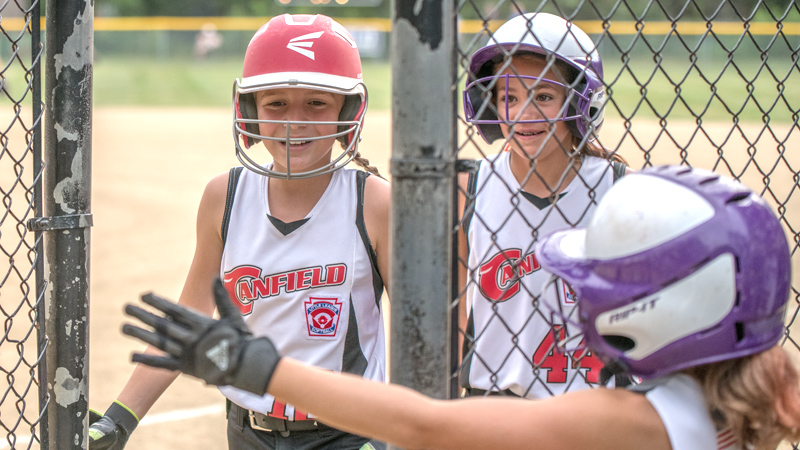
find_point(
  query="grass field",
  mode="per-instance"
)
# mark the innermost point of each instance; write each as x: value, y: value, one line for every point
x: 672, y: 90
x: 675, y: 90
x: 152, y: 82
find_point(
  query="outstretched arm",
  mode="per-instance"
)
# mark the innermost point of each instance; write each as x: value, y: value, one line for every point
x: 597, y: 419
x: 224, y: 352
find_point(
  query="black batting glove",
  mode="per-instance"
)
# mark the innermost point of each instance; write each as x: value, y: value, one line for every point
x: 111, y: 430
x: 220, y: 352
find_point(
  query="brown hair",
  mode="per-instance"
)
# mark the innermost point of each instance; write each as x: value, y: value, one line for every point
x: 364, y: 163
x: 592, y: 148
x: 746, y: 395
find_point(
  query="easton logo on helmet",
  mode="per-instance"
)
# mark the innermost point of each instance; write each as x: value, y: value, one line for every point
x: 300, y: 43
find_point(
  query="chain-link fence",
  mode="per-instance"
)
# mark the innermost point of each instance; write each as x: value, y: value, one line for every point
x: 707, y: 85
x: 23, y: 394
x: 44, y: 235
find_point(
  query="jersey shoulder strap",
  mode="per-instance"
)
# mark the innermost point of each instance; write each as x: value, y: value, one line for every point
x: 361, y: 182
x: 469, y: 201
x: 233, y: 180
x: 361, y: 225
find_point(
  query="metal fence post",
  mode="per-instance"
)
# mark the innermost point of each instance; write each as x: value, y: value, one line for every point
x: 37, y: 51
x: 422, y: 167
x: 67, y: 216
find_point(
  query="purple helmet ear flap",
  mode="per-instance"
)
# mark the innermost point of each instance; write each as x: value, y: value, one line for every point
x: 579, y: 85
x: 475, y: 97
x: 489, y: 131
x: 591, y: 110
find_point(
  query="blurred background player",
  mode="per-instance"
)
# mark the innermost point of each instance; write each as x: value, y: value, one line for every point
x: 207, y: 40
x: 300, y: 240
x: 537, y: 85
x: 682, y: 278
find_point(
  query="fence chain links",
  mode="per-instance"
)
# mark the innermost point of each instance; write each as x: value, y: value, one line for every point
x: 699, y: 87
x: 22, y: 395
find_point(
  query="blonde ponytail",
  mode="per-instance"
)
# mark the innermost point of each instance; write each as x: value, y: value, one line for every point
x: 745, y: 394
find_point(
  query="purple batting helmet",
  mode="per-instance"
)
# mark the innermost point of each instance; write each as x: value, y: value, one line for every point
x: 677, y: 268
x: 543, y: 34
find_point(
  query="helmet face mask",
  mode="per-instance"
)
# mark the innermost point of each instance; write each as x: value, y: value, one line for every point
x: 316, y: 53
x: 565, y: 114
x: 677, y: 268
x: 565, y: 47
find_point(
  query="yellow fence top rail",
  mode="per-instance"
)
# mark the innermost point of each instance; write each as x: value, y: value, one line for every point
x: 164, y: 23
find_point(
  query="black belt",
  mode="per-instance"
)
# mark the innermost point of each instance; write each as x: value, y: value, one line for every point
x: 263, y: 422
x: 475, y: 392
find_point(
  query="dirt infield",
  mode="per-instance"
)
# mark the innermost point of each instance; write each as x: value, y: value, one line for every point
x: 149, y: 168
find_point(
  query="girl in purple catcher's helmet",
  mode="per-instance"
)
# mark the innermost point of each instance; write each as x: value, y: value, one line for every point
x: 572, y: 65
x: 682, y: 278
x: 537, y: 87
x: 531, y: 53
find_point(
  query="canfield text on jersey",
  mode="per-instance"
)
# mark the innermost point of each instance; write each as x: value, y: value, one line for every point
x: 246, y: 285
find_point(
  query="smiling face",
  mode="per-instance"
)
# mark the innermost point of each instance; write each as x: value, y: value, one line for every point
x: 298, y: 113
x: 523, y: 96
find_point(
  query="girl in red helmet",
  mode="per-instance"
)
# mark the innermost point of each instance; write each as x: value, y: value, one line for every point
x: 300, y: 240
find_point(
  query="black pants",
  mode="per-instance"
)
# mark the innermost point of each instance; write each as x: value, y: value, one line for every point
x: 242, y: 437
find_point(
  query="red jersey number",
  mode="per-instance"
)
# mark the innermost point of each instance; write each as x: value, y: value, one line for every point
x: 548, y: 358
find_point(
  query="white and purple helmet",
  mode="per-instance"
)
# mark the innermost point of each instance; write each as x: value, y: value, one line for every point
x: 552, y: 37
x: 677, y: 268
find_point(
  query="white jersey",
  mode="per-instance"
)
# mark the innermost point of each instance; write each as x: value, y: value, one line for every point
x: 513, y: 350
x: 680, y: 403
x: 311, y: 286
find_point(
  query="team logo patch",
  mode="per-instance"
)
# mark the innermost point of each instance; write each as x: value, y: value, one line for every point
x: 322, y: 316
x: 568, y: 295
x: 500, y: 276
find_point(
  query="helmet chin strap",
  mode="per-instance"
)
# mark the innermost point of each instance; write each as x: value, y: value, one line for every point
x: 615, y: 368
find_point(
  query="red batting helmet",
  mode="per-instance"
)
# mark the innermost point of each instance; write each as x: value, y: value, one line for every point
x: 300, y: 51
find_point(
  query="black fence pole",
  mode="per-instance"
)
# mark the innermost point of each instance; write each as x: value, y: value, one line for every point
x: 67, y: 216
x: 422, y: 167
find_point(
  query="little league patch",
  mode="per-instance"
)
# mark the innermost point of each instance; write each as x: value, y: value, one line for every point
x: 322, y: 316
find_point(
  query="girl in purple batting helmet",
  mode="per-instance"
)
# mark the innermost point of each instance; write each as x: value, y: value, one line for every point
x: 682, y: 278
x: 536, y: 86
x: 576, y: 68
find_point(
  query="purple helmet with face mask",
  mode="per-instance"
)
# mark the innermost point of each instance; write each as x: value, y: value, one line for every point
x: 552, y: 37
x: 677, y: 268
